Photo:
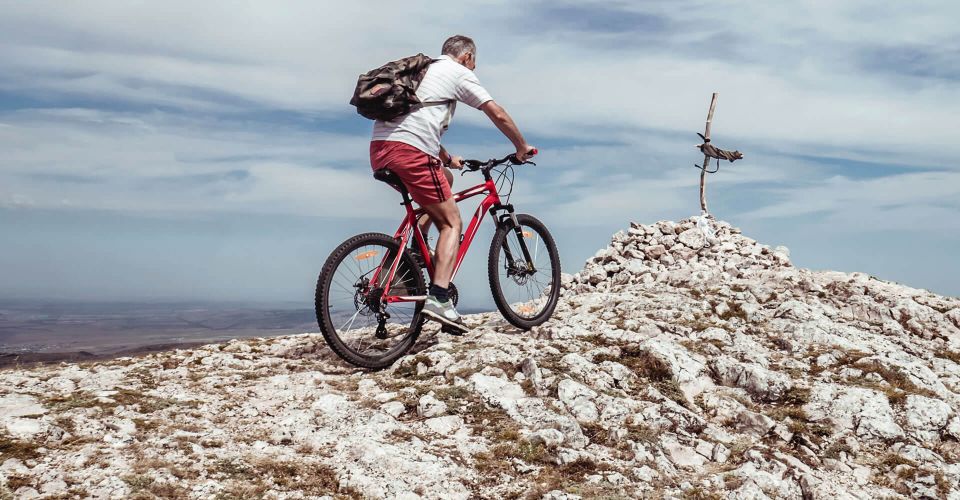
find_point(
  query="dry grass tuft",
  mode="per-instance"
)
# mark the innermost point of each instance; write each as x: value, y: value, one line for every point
x: 15, y: 482
x: 796, y: 396
x: 834, y: 450
x: 15, y: 448
x: 59, y: 404
x: 734, y: 310
x: 252, y: 478
x: 142, y: 486
x: 452, y: 394
x: 408, y: 368
x: 569, y: 477
x: 132, y: 398
x: 898, y: 385
x: 643, y: 434
x: 655, y: 370
x: 698, y: 493
x: 948, y: 354
x: 596, y: 433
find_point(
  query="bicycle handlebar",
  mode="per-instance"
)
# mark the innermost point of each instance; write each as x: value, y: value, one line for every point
x: 474, y: 165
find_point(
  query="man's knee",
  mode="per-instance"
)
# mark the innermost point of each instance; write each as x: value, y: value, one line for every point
x: 444, y: 214
x: 453, y: 216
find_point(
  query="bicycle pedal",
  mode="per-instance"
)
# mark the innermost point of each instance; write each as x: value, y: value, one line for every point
x: 451, y: 330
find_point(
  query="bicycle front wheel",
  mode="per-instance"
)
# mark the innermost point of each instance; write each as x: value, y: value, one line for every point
x: 357, y: 322
x: 525, y: 291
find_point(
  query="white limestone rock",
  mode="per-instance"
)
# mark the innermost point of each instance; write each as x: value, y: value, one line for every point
x: 760, y: 382
x: 864, y: 411
x: 497, y: 391
x: 393, y: 408
x: 444, y: 425
x: 429, y: 406
x: 926, y: 417
x: 686, y: 368
x: 578, y: 400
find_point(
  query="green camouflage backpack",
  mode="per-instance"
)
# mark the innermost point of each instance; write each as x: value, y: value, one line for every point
x: 390, y: 91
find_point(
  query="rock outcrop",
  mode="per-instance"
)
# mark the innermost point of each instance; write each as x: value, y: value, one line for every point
x: 676, y: 366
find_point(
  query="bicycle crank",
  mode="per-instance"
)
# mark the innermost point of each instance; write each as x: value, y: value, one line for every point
x: 453, y: 294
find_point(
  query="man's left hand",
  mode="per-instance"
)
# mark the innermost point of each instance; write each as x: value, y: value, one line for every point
x: 456, y: 162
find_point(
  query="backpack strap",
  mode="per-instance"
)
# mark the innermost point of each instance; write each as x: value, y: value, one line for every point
x: 438, y: 103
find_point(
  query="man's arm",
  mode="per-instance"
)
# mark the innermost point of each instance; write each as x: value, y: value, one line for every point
x: 502, y: 120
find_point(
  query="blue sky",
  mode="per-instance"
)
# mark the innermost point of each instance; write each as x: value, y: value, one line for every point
x: 179, y: 150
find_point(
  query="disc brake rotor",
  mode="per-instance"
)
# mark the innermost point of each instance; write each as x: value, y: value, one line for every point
x: 518, y: 272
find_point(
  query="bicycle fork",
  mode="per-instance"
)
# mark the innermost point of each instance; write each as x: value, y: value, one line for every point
x: 510, y: 217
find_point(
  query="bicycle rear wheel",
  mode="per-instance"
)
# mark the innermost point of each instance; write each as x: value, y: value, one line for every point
x: 525, y: 296
x: 358, y: 325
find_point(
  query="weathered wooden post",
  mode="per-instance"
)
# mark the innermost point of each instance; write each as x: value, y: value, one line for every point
x: 706, y: 159
x: 710, y: 151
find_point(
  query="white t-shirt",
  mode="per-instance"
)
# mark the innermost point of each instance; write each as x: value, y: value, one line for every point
x: 446, y: 80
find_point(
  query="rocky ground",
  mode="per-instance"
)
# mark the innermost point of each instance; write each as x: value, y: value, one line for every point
x: 671, y: 369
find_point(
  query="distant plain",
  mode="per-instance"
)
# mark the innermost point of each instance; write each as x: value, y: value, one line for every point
x: 32, y: 331
x: 36, y: 331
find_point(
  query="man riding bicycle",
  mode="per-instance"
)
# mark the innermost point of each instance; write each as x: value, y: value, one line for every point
x: 410, y: 147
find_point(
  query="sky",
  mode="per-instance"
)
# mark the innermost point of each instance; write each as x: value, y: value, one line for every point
x: 181, y: 150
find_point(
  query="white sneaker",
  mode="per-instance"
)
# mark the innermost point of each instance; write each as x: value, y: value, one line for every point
x: 444, y: 313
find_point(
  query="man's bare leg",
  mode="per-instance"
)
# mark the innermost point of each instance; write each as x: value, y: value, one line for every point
x: 425, y: 222
x: 446, y: 216
x: 438, y: 305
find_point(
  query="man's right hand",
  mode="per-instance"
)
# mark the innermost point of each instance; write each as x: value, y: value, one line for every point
x: 525, y: 152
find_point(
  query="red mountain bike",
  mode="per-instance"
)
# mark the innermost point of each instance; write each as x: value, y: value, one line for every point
x: 371, y: 288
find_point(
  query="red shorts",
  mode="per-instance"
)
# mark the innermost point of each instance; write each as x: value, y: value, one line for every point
x: 421, y: 173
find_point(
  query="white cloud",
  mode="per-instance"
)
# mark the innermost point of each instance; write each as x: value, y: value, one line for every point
x: 158, y: 162
x: 790, y: 79
x: 879, y: 203
x: 788, y: 76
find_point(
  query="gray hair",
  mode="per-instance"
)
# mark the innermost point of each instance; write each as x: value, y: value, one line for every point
x: 458, y: 45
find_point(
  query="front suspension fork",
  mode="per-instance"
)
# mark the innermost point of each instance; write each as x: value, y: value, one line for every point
x: 511, y: 218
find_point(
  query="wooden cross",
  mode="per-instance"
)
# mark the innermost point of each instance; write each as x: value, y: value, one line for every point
x: 709, y: 151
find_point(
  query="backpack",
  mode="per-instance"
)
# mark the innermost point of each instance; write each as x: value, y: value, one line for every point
x: 390, y: 91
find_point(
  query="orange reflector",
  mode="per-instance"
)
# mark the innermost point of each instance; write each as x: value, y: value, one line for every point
x: 367, y: 255
x: 527, y: 234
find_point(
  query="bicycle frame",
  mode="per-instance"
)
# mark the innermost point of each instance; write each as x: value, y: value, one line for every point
x: 490, y: 203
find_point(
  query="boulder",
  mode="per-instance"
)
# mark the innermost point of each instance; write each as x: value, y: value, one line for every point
x: 926, y: 417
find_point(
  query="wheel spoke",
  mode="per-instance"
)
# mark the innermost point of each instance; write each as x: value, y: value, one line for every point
x: 351, y: 320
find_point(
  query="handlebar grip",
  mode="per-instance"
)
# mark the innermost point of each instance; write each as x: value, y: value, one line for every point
x: 533, y: 152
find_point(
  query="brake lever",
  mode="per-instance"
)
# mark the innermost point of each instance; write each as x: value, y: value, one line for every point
x: 470, y: 166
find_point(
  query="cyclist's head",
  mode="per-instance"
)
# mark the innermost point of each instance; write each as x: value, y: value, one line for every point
x: 461, y: 49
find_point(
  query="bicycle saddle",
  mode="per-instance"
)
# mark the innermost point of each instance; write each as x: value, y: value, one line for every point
x: 387, y: 175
